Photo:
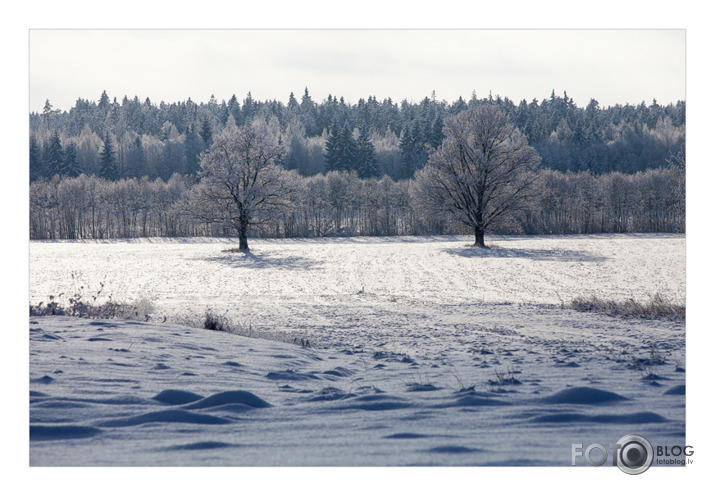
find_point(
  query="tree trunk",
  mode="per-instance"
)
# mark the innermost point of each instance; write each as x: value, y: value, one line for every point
x: 479, y: 237
x: 243, y: 237
x: 243, y: 231
x: 243, y: 240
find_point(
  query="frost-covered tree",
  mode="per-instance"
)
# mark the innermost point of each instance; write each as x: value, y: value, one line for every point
x: 309, y: 113
x: 70, y: 167
x: 250, y: 107
x: 36, y: 163
x: 104, y: 101
x: 414, y: 150
x: 168, y: 132
x: 240, y: 185
x: 366, y: 163
x: 483, y: 169
x: 340, y: 150
x: 192, y: 148
x: 55, y: 155
x: 136, y: 159
x: 206, y: 132
x: 332, y: 149
x: 234, y: 108
x: 172, y: 158
x: 436, y: 135
x: 676, y: 163
x: 47, y: 115
x: 108, y: 159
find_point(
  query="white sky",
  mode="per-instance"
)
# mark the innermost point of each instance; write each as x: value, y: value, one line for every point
x: 612, y: 66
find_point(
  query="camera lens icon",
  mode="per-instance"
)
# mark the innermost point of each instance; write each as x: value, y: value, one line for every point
x: 635, y: 455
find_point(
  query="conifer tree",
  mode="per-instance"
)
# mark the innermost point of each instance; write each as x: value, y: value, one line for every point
x: 293, y: 103
x: 206, y: 133
x: 332, y: 151
x: 55, y: 155
x: 340, y: 150
x: 290, y: 162
x: 234, y: 109
x: 192, y: 149
x: 348, y: 150
x: 309, y: 114
x: 366, y: 163
x: 436, y: 135
x: 413, y: 149
x: 36, y: 163
x: 47, y: 113
x: 406, y: 148
x: 70, y: 167
x: 104, y: 101
x: 250, y: 107
x: 108, y: 159
x: 136, y: 159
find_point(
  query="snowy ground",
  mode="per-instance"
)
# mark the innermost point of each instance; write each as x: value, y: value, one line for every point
x: 424, y: 352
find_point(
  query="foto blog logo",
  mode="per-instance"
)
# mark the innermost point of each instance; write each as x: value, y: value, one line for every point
x: 633, y: 454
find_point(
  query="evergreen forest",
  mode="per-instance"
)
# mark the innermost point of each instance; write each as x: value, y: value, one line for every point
x: 121, y: 169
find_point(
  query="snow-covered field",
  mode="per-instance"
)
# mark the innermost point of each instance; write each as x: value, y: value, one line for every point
x: 423, y: 351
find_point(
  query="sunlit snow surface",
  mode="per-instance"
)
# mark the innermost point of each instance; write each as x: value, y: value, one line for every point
x: 424, y: 352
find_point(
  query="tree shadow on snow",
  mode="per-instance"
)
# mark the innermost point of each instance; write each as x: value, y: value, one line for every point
x: 532, y: 254
x: 250, y: 260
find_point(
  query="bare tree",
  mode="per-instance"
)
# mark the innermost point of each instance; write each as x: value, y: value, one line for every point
x: 676, y: 162
x: 240, y: 185
x: 483, y: 170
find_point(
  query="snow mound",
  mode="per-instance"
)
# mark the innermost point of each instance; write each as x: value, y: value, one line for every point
x: 584, y: 396
x: 166, y: 416
x: 205, y: 445
x: 330, y: 394
x: 632, y: 418
x: 56, y: 432
x: 474, y: 400
x: 177, y: 397
x: 452, y: 450
x: 676, y: 390
x: 375, y: 402
x: 45, y: 379
x: 230, y: 397
x: 406, y: 435
x: 60, y: 404
x: 291, y: 375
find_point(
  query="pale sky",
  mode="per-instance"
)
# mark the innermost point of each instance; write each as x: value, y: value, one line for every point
x: 612, y: 66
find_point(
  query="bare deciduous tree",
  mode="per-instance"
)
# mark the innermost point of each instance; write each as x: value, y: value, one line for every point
x: 483, y: 170
x: 241, y: 185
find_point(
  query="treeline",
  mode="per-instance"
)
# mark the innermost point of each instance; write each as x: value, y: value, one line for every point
x: 342, y: 204
x: 134, y: 139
